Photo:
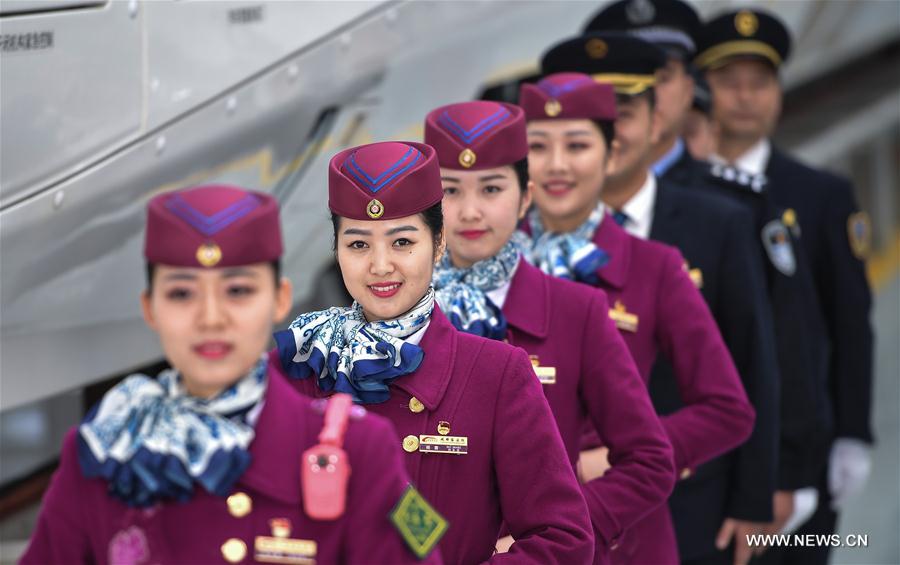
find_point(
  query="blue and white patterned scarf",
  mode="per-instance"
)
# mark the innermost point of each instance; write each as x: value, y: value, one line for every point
x: 349, y: 354
x: 150, y: 440
x: 462, y: 293
x: 569, y: 255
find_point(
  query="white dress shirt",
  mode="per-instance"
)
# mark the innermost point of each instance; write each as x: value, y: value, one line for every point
x: 754, y: 160
x: 640, y: 209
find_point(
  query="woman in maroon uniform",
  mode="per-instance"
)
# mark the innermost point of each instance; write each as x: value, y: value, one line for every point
x: 203, y: 464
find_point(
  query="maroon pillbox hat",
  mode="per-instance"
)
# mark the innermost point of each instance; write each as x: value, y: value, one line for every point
x: 477, y: 135
x: 212, y: 226
x: 384, y: 181
x: 568, y: 96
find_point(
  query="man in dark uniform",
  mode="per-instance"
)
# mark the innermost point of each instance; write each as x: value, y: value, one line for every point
x: 670, y: 25
x: 741, y: 53
x: 716, y: 237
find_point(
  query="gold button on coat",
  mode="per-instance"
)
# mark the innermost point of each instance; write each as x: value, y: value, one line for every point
x: 239, y: 504
x: 234, y: 550
x: 686, y: 473
x: 415, y: 405
x: 410, y: 444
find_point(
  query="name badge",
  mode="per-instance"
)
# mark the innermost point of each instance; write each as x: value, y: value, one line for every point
x: 279, y: 548
x: 546, y: 375
x: 453, y: 445
x: 625, y: 320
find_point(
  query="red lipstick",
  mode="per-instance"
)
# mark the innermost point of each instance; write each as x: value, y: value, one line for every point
x: 472, y: 234
x: 385, y: 289
x: 213, y: 349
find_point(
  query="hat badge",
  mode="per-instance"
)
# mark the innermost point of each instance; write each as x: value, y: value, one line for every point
x: 209, y: 254
x: 640, y: 12
x: 467, y: 158
x: 596, y: 48
x: 552, y: 108
x: 746, y: 23
x: 375, y: 209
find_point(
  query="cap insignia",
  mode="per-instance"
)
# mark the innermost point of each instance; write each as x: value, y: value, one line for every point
x: 552, y: 108
x: 467, y: 158
x: 640, y: 12
x: 375, y: 209
x: 596, y: 48
x: 746, y: 23
x: 209, y: 254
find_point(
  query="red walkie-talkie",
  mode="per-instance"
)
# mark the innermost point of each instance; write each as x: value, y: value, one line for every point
x: 326, y: 467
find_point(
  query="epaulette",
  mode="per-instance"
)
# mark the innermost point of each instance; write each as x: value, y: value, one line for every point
x: 733, y: 177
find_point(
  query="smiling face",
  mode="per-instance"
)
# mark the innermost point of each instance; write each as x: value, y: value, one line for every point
x: 746, y: 99
x: 386, y: 265
x: 214, y: 324
x: 481, y: 211
x: 634, y: 138
x: 566, y: 164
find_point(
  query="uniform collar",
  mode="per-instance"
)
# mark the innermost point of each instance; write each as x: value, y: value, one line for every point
x: 430, y: 381
x: 753, y: 161
x: 527, y: 305
x: 640, y: 208
x: 281, y: 429
x: 672, y: 156
x: 611, y: 238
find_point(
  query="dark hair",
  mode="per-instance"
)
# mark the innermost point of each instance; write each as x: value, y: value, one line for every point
x: 520, y: 167
x: 607, y: 130
x: 649, y: 95
x: 151, y: 269
x: 433, y: 218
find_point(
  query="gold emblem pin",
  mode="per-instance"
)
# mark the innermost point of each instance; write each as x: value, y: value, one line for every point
x: 443, y: 427
x: 696, y: 275
x: 746, y: 23
x: 596, y: 48
x: 552, y: 108
x: 410, y: 444
x: 281, y: 527
x: 467, y: 158
x: 234, y: 550
x: 789, y: 218
x: 415, y: 405
x: 375, y: 209
x: 209, y: 254
x: 546, y: 375
x: 239, y: 504
x: 625, y: 320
